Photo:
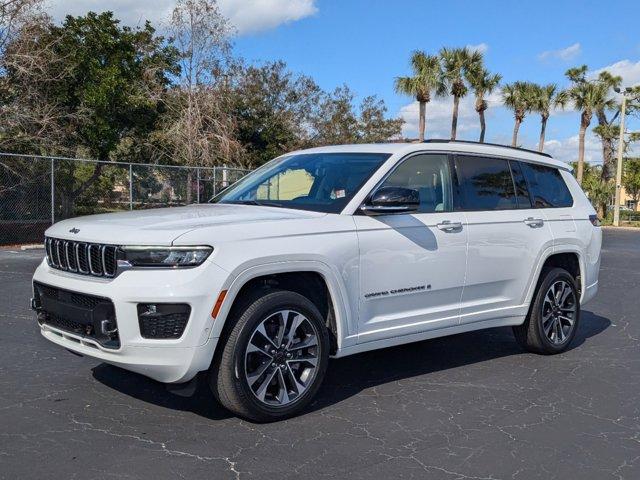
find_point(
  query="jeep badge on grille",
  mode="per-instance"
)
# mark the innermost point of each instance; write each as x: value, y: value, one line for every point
x: 74, y: 230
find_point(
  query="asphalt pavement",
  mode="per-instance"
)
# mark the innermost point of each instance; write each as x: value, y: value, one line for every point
x: 471, y: 406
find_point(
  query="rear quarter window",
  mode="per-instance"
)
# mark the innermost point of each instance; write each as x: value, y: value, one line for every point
x: 546, y: 185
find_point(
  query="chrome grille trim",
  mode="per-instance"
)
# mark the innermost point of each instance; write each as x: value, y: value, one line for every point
x: 47, y: 247
x: 62, y: 264
x: 109, y: 268
x: 95, y: 271
x: 66, y: 255
x: 72, y: 264
x: 83, y: 246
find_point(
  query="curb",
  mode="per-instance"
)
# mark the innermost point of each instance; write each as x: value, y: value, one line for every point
x: 611, y: 227
x: 34, y: 246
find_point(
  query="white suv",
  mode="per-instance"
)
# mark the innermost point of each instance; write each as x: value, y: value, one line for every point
x: 325, y: 252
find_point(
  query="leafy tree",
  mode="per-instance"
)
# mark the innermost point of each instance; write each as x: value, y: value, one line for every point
x: 599, y: 191
x: 82, y: 87
x: 426, y: 78
x: 337, y: 122
x: 373, y: 125
x: 456, y: 64
x: 631, y: 178
x: 483, y: 83
x: 544, y: 99
x: 272, y: 109
x: 519, y: 97
x: 275, y: 111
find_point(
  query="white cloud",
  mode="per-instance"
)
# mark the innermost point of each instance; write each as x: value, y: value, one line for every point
x: 247, y: 16
x: 259, y: 15
x: 566, y: 149
x: 131, y: 12
x: 438, y: 116
x: 564, y: 54
x: 628, y: 70
x: 481, y: 47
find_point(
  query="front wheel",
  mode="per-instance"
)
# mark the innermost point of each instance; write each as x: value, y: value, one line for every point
x: 553, y: 316
x: 274, y: 358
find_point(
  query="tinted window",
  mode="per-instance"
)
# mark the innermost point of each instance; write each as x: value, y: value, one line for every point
x: 522, y: 191
x: 323, y: 182
x: 485, y: 183
x: 429, y: 174
x: 548, y: 189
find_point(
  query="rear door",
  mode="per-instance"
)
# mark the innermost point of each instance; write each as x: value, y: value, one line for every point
x: 412, y: 266
x: 506, y: 237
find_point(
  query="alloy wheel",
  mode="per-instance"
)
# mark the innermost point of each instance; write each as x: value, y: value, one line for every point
x: 559, y: 312
x: 281, y: 359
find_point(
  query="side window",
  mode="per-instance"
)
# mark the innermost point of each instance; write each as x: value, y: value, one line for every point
x: 485, y: 183
x: 522, y: 190
x: 429, y: 174
x: 548, y: 189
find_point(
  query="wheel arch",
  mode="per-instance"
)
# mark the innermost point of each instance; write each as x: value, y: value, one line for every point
x: 303, y: 277
x: 569, y: 257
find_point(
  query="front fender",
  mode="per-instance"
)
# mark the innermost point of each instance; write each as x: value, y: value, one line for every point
x: 345, y: 320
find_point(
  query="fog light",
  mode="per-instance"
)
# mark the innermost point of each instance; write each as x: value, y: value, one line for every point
x: 163, y: 320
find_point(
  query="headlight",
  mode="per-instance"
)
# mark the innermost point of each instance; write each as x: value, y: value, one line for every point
x: 168, y: 257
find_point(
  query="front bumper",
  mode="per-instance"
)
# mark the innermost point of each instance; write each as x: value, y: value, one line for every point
x: 166, y: 360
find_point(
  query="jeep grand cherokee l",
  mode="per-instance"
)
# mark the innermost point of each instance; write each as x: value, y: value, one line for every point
x: 325, y: 253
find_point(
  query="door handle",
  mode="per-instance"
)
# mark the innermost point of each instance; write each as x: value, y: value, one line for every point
x: 534, y: 222
x: 448, y: 226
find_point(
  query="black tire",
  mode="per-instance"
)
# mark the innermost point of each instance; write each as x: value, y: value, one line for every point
x: 531, y: 335
x: 227, y: 379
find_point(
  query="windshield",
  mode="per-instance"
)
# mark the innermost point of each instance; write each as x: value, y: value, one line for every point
x: 322, y: 182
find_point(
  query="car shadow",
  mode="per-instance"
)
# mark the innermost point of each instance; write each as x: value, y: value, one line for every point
x: 142, y: 388
x: 411, y: 228
x: 350, y: 375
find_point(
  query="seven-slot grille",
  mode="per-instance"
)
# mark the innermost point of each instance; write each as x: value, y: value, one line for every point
x: 81, y: 257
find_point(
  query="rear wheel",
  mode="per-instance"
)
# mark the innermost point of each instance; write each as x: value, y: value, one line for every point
x: 553, y: 316
x: 274, y: 358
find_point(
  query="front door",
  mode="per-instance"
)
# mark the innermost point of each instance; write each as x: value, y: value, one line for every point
x: 412, y: 266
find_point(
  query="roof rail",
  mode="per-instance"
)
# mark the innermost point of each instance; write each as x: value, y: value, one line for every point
x: 471, y: 142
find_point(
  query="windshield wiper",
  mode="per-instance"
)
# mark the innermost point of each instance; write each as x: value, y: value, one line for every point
x: 253, y: 202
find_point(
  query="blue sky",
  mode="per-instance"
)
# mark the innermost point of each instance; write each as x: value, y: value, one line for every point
x: 365, y: 44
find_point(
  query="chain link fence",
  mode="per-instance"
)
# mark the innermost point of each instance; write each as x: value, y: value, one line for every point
x: 37, y: 191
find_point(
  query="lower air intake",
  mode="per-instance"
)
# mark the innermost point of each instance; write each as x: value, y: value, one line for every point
x: 163, y: 320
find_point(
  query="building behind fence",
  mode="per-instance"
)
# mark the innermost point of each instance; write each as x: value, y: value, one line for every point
x: 37, y: 191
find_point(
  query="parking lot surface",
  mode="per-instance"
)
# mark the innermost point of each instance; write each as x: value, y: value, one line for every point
x: 471, y: 406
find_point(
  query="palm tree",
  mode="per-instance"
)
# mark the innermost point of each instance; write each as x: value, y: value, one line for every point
x: 425, y: 79
x: 456, y: 63
x: 587, y: 97
x: 606, y: 129
x: 483, y: 83
x: 519, y: 97
x: 543, y: 101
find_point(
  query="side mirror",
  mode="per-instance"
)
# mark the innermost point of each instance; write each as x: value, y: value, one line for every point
x: 388, y: 200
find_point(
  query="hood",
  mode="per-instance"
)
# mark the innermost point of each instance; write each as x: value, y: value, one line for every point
x: 161, y: 226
